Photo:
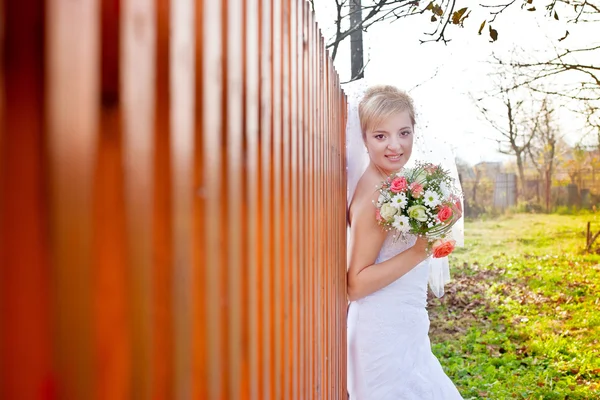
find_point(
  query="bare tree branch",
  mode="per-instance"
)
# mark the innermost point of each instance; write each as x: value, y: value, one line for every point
x: 514, y: 125
x: 340, y: 36
x: 543, y: 151
x: 338, y: 27
x: 446, y: 17
x: 498, y: 9
x: 358, y: 76
x: 444, y: 14
x: 533, y: 74
x: 379, y: 11
x: 437, y: 70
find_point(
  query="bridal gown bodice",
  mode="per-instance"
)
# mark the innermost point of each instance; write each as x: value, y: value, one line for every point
x: 389, y: 353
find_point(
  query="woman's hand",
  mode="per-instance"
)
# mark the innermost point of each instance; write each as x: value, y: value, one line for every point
x: 420, y: 247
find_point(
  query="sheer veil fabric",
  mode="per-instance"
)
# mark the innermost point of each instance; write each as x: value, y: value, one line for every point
x: 430, y: 147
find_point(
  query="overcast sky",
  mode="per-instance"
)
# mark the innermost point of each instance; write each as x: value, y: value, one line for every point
x: 443, y: 102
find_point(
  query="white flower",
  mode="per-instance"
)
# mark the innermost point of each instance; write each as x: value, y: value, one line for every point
x: 445, y: 190
x: 399, y: 201
x: 431, y: 199
x: 401, y: 223
x: 380, y: 200
x: 418, y: 212
x: 387, y: 211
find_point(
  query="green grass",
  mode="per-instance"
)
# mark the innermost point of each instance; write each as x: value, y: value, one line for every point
x: 521, y: 317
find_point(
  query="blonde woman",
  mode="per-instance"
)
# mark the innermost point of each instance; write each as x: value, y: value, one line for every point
x: 389, y: 352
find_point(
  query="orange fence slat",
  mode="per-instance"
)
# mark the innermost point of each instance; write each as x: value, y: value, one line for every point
x: 202, y: 290
x: 294, y: 231
x: 188, y: 323
x: 252, y: 323
x: 110, y: 278
x: 25, y: 286
x: 161, y: 287
x: 232, y: 243
x: 214, y: 188
x: 266, y: 387
x: 72, y: 104
x: 139, y: 118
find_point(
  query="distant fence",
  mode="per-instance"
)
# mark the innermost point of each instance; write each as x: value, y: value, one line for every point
x: 505, y: 191
x: 172, y: 202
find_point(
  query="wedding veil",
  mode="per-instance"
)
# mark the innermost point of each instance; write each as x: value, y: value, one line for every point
x: 428, y: 147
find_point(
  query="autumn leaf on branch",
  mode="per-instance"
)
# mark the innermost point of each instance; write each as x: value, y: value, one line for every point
x: 458, y: 17
x: 493, y: 34
x: 435, y: 9
x: 481, y: 27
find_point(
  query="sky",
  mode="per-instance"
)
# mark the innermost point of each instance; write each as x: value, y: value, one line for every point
x: 450, y: 75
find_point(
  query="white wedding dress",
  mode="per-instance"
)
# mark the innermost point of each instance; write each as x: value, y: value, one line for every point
x: 389, y: 353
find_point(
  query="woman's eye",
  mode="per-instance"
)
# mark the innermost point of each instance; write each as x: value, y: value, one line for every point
x: 405, y: 133
x: 379, y: 137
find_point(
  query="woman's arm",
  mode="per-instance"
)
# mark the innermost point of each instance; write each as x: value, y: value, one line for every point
x: 367, y: 237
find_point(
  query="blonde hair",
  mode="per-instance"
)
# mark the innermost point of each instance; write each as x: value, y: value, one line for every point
x: 379, y: 102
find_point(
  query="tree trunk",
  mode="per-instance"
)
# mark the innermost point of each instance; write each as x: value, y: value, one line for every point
x: 548, y: 188
x: 549, y: 173
x: 521, y: 176
x: 475, y: 184
x: 356, y: 41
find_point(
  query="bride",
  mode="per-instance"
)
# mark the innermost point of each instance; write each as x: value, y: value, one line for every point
x: 389, y: 353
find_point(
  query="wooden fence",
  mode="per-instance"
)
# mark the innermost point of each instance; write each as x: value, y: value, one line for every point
x: 172, y: 202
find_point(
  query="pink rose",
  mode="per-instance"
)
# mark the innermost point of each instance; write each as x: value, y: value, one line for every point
x: 416, y: 189
x: 458, y: 205
x: 399, y: 184
x: 430, y: 168
x: 442, y: 248
x: 444, y: 214
x: 378, y: 215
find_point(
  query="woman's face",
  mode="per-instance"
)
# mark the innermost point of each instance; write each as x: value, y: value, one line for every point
x: 390, y: 143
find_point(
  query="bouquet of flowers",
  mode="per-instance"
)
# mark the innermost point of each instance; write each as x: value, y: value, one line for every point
x: 420, y: 201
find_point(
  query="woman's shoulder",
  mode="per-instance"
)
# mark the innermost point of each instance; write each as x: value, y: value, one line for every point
x: 366, y: 193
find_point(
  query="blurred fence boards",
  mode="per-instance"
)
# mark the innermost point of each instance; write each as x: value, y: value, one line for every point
x: 172, y: 202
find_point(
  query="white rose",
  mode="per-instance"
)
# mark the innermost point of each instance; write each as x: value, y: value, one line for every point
x: 418, y: 212
x: 387, y: 211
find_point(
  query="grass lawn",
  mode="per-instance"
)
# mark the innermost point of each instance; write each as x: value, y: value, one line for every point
x: 521, y: 317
